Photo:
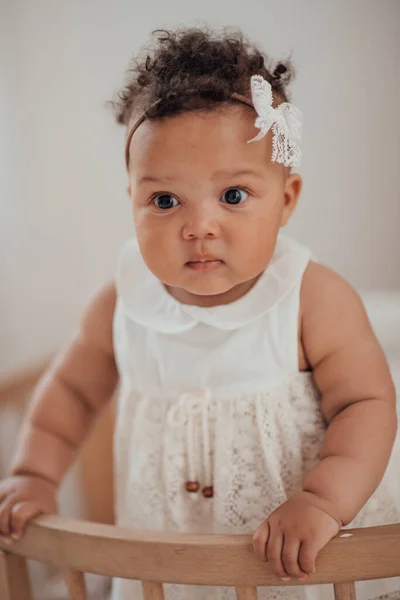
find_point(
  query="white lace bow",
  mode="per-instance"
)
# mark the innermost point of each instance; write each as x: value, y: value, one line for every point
x: 285, y: 122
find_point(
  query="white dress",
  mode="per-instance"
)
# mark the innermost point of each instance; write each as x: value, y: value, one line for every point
x: 215, y: 396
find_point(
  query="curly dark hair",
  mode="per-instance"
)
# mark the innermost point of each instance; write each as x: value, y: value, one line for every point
x: 191, y: 69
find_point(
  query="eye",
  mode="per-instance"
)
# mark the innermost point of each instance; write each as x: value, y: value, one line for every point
x: 165, y: 201
x: 235, y: 196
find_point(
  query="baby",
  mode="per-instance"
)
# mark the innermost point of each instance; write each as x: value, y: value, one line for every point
x: 253, y: 396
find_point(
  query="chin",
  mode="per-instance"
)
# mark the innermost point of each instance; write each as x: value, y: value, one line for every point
x: 207, y: 288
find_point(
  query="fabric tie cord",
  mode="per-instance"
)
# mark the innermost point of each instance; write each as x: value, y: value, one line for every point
x: 192, y: 412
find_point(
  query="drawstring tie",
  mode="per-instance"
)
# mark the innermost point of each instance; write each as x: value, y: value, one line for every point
x: 188, y: 410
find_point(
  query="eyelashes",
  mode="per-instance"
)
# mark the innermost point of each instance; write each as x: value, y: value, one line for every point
x: 233, y: 196
x: 166, y: 200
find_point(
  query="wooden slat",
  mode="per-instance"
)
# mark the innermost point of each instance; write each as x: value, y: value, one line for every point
x: 152, y: 590
x: 345, y: 591
x: 246, y: 593
x: 5, y: 593
x: 96, y: 469
x: 208, y: 559
x: 14, y: 580
x: 75, y: 581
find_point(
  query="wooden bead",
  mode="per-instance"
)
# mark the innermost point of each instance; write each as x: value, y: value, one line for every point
x: 208, y: 492
x: 192, y: 487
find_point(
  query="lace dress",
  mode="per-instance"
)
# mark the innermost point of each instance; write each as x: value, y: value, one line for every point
x: 213, y: 397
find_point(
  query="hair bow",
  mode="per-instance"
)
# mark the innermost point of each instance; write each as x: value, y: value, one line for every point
x: 285, y: 122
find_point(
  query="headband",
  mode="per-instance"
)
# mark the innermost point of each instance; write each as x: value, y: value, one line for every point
x: 285, y: 121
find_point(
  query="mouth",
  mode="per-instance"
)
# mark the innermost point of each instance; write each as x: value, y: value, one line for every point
x: 204, y: 265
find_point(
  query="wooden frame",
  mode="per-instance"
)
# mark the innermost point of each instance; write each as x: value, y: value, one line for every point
x: 157, y: 558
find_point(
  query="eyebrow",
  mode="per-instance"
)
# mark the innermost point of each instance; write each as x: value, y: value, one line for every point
x: 217, y: 175
x: 237, y: 173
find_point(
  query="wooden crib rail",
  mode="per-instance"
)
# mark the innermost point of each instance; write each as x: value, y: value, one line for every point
x: 157, y: 558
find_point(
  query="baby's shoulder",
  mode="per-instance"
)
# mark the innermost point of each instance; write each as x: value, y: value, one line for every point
x: 97, y: 319
x: 331, y: 311
x: 324, y: 289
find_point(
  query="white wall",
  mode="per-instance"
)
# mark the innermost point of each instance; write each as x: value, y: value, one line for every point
x: 63, y: 207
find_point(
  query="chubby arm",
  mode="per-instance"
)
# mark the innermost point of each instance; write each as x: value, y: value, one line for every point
x: 70, y: 395
x: 358, y: 404
x: 357, y: 394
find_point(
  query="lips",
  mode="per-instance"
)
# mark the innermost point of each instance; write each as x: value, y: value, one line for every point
x: 204, y: 264
x: 203, y: 258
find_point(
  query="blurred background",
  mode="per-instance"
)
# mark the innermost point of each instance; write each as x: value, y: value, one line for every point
x: 64, y: 210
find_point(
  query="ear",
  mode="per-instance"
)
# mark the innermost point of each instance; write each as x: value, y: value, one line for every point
x: 292, y: 190
x: 129, y: 190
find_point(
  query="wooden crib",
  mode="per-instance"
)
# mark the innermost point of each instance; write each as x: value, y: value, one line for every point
x: 94, y: 546
x: 156, y: 558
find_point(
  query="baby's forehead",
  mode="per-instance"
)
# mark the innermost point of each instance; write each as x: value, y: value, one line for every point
x: 213, y: 141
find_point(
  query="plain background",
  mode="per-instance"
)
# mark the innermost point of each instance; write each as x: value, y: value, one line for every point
x: 64, y: 211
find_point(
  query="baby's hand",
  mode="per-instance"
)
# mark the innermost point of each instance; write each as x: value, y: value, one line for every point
x: 23, y: 497
x: 292, y: 536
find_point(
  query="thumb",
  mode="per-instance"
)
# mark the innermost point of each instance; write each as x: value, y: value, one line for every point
x: 21, y: 514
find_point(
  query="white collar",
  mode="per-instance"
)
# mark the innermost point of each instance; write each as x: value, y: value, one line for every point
x: 147, y: 302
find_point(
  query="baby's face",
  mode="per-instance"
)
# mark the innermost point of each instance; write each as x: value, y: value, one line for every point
x: 200, y: 192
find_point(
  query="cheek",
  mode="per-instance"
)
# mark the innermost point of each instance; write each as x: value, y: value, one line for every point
x: 257, y: 248
x: 150, y: 242
x: 140, y: 215
x: 149, y: 230
x: 263, y: 223
x: 271, y: 215
x: 258, y: 237
x: 153, y: 255
x: 156, y: 247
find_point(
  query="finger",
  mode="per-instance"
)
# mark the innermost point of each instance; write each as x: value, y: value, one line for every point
x: 290, y: 557
x: 5, y: 540
x: 307, y: 556
x: 21, y: 513
x: 260, y: 540
x: 274, y: 553
x: 3, y: 494
x: 5, y: 508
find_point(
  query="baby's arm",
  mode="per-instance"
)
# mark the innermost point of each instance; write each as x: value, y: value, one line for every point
x: 65, y: 403
x: 358, y: 403
x: 358, y: 398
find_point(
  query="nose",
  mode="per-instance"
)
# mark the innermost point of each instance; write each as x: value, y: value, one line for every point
x: 201, y: 223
